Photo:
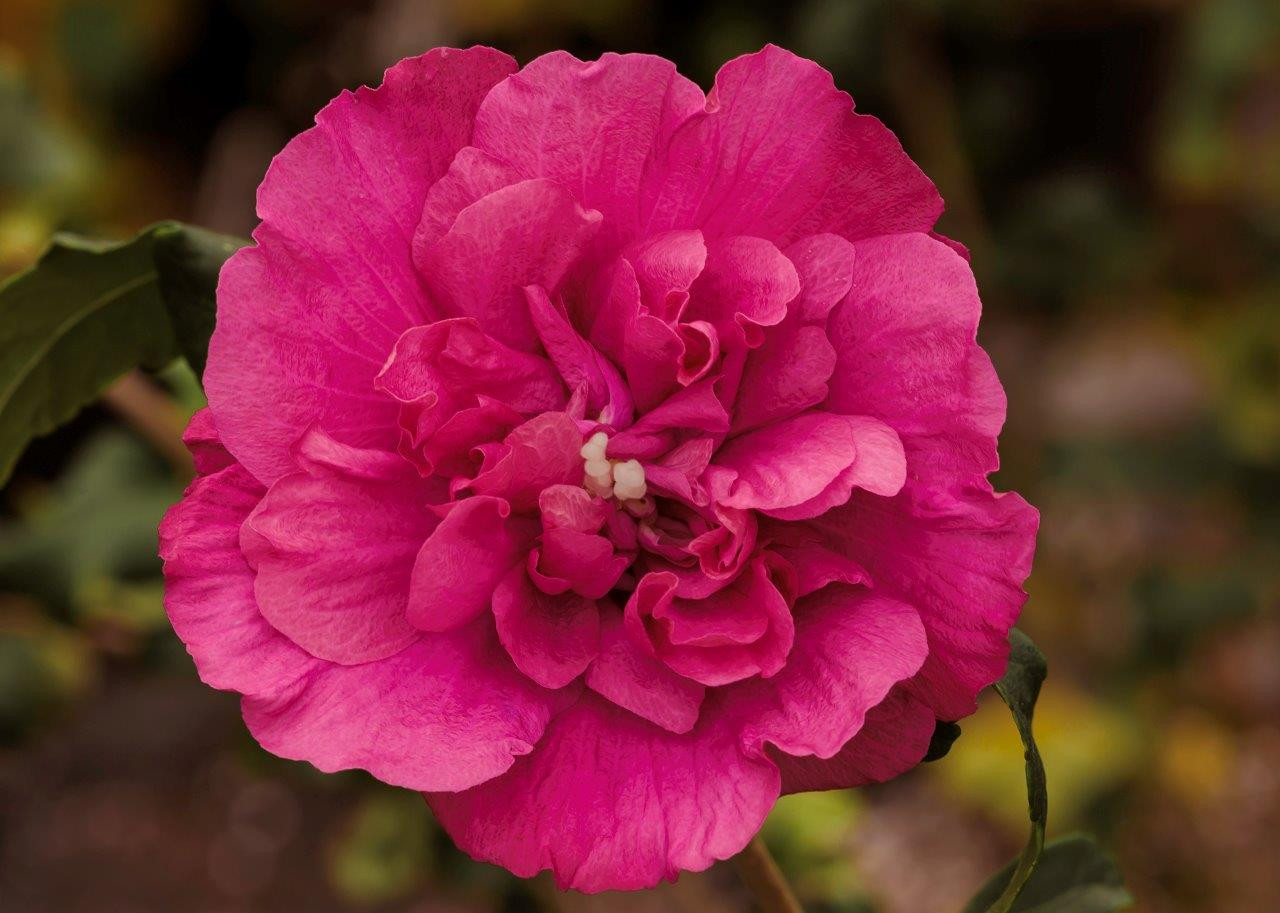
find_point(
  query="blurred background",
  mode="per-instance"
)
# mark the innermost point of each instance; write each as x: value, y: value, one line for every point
x: 1114, y: 166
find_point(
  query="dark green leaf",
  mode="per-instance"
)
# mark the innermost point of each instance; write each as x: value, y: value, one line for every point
x: 89, y: 311
x: 944, y: 736
x: 187, y: 262
x: 1019, y: 689
x: 1074, y: 876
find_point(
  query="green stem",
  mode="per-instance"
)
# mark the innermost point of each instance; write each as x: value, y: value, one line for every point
x: 766, y: 881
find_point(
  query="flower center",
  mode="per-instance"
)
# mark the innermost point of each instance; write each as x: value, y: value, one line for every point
x: 621, y: 479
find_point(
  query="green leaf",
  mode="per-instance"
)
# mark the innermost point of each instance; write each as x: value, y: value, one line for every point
x: 1074, y: 876
x: 1019, y: 689
x: 187, y: 262
x: 89, y: 311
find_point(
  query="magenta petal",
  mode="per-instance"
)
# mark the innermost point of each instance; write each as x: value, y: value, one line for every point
x: 850, y: 648
x: 787, y: 374
x: 572, y: 507
x: 825, y: 266
x: 633, y: 679
x: 540, y: 453
x: 906, y: 338
x: 303, y: 324
x: 779, y: 154
x: 666, y: 266
x: 616, y: 813
x: 463, y: 560
x: 960, y: 560
x: 746, y: 285
x: 446, y: 713
x: 333, y: 554
x: 814, y: 563
x: 551, y: 638
x: 756, y: 628
x: 808, y: 460
x: 578, y: 362
x: 209, y: 589
x: 584, y: 560
x: 472, y: 174
x: 595, y: 127
x: 893, y: 739
x: 446, y: 361
x: 524, y: 234
x: 201, y: 438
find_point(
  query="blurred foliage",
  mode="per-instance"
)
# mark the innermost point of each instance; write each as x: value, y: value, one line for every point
x: 1114, y: 165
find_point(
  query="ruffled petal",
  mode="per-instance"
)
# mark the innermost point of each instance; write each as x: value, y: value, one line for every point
x: 632, y: 678
x: 907, y: 354
x: 333, y: 552
x: 851, y: 647
x: 551, y: 639
x: 594, y: 127
x: 620, y: 812
x: 894, y: 738
x: 523, y: 234
x: 960, y: 562
x: 461, y: 563
x: 446, y: 713
x: 306, y: 317
x: 810, y: 462
x: 538, y: 454
x: 209, y: 589
x: 779, y: 154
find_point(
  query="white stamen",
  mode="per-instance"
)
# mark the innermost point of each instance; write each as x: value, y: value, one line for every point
x: 621, y: 479
x: 628, y: 481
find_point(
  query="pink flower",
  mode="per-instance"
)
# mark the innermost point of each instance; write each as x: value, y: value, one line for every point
x: 600, y: 458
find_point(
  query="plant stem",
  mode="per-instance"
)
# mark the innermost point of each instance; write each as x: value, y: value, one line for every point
x: 766, y: 881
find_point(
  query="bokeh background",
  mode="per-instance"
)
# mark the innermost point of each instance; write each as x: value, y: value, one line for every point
x: 1114, y: 166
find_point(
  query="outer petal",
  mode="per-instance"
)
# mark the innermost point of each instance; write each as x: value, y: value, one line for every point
x: 905, y: 338
x: 960, y: 561
x: 333, y: 553
x: 306, y: 318
x: 596, y: 127
x: 201, y: 438
x: 893, y: 739
x: 525, y: 234
x: 209, y: 589
x: 446, y: 713
x: 610, y: 802
x: 779, y: 154
x: 850, y: 648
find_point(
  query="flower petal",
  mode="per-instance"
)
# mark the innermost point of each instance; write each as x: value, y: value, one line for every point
x: 209, y: 589
x: 446, y: 713
x: 894, y: 738
x: 851, y: 647
x: 523, y: 234
x: 960, y: 562
x: 615, y: 813
x: 907, y: 354
x: 551, y: 638
x: 779, y: 154
x: 333, y: 554
x: 794, y: 462
x: 306, y: 318
x: 463, y: 560
x: 632, y: 678
x: 595, y: 127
